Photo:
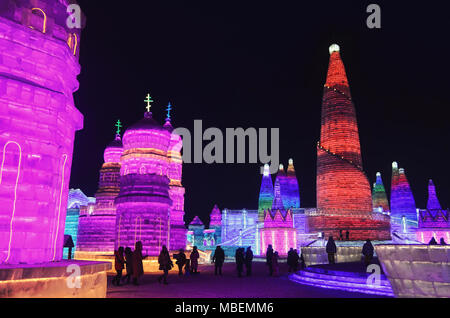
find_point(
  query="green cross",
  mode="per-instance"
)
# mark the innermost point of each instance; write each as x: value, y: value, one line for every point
x: 118, y: 125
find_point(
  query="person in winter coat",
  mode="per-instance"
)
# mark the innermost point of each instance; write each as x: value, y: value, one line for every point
x: 194, y: 259
x: 118, y: 265
x: 138, y: 267
x: 295, y: 259
x: 240, y: 259
x: 218, y: 259
x: 269, y: 259
x: 331, y: 250
x: 129, y: 264
x: 290, y: 260
x: 432, y: 242
x: 181, y: 261
x: 367, y: 251
x: 276, y: 269
x: 249, y: 260
x: 165, y: 264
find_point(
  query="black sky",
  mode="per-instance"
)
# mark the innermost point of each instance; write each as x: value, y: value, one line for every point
x: 263, y: 64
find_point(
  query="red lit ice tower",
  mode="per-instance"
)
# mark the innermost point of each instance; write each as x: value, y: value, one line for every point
x: 38, y: 119
x: 344, y: 200
x: 178, y: 231
x: 97, y: 228
x: 143, y: 204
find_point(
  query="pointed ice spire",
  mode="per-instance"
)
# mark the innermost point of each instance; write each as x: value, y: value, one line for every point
x: 290, y: 191
x: 265, y: 193
x: 433, y: 202
x: 402, y: 200
x: 196, y: 221
x: 277, y: 202
x: 379, y: 198
x: 215, y: 217
x: 336, y: 76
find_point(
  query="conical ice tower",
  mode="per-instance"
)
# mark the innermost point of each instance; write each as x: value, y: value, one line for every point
x: 265, y: 193
x: 402, y: 200
x: 379, y: 198
x: 289, y: 192
x: 344, y: 199
x: 433, y: 202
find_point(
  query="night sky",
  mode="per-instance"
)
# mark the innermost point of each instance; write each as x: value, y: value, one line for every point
x: 263, y: 64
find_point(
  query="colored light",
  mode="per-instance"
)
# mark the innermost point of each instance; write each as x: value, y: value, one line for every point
x: 15, y: 192
x: 44, y: 27
x: 63, y: 186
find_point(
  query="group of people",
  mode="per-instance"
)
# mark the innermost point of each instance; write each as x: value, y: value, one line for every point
x: 190, y: 265
x: 242, y: 257
x: 132, y: 261
x: 434, y: 242
x: 367, y: 251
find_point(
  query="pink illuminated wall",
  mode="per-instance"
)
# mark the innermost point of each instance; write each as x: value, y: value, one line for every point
x: 38, y: 120
x: 278, y: 231
x: 278, y: 227
x: 178, y: 230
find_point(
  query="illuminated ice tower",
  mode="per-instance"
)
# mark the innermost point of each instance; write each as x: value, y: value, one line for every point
x: 379, y: 198
x: 278, y: 229
x: 97, y: 228
x: 38, y: 119
x: 403, y: 206
x: 290, y: 192
x: 177, y: 234
x: 143, y: 204
x: 215, y: 223
x: 344, y: 200
x: 433, y: 202
x: 265, y: 193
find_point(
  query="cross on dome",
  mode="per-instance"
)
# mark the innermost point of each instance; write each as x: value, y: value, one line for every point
x: 149, y: 102
x: 118, y: 125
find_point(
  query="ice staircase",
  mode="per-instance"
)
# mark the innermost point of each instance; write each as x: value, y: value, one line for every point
x: 352, y: 281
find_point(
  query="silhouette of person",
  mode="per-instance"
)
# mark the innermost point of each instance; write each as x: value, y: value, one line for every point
x: 129, y: 264
x: 290, y: 260
x: 194, y: 259
x: 269, y: 259
x: 218, y: 259
x: 367, y: 251
x: 302, y: 262
x: 341, y: 235
x: 249, y: 260
x: 181, y: 261
x: 347, y: 235
x: 165, y: 264
x: 432, y: 242
x: 275, y: 264
x: 187, y: 267
x: 138, y: 266
x: 442, y: 241
x: 240, y: 259
x: 331, y: 250
x: 296, y: 259
x: 118, y: 265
